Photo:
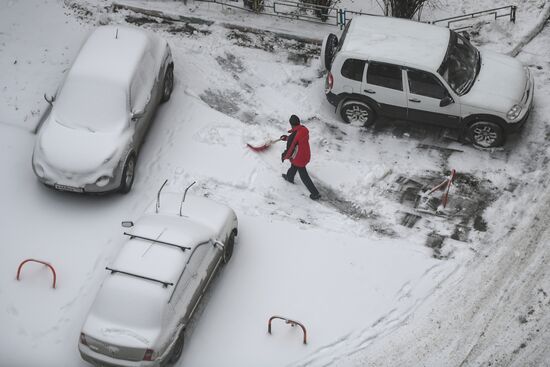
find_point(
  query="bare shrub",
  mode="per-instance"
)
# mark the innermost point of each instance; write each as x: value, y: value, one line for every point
x: 402, y: 8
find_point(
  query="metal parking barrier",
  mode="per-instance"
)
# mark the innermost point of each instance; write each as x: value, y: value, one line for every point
x: 287, y: 321
x: 445, y: 185
x: 41, y: 262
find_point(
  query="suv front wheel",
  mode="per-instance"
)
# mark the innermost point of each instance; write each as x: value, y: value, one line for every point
x: 486, y: 134
x: 357, y: 113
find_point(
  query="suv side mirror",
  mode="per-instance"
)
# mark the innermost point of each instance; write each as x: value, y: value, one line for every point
x: 446, y: 101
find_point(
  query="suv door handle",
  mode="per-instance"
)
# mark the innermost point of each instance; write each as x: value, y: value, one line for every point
x: 414, y: 100
x: 370, y: 91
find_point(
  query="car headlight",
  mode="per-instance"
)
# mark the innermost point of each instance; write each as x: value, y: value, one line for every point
x: 514, y: 112
x: 102, y: 181
x: 39, y: 170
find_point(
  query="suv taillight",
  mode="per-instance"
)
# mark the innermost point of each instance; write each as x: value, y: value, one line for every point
x: 329, y: 82
x: 83, y: 339
x: 148, y: 356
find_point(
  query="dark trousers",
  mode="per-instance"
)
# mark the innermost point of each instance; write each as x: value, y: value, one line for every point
x: 304, y: 176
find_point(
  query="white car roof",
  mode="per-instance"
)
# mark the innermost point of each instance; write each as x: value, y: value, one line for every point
x: 112, y: 53
x: 398, y: 41
x: 143, y: 257
x: 207, y: 212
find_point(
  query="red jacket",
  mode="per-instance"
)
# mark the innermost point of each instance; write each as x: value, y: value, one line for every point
x: 301, y: 143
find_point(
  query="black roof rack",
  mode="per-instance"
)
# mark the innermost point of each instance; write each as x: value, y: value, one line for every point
x: 164, y: 284
x: 183, y: 248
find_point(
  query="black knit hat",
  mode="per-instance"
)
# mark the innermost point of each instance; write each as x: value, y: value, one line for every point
x: 294, y: 120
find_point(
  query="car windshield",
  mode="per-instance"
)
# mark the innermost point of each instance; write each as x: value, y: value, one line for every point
x: 461, y: 64
x: 90, y: 103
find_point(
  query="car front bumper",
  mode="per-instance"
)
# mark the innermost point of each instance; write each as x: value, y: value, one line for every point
x: 91, y: 188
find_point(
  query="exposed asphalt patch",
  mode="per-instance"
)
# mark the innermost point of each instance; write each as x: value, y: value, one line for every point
x: 226, y: 102
x: 469, y: 196
x: 231, y: 64
x: 173, y: 27
x: 298, y: 51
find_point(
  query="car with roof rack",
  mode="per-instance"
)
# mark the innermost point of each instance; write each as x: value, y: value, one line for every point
x: 422, y: 73
x: 90, y: 141
x: 155, y: 284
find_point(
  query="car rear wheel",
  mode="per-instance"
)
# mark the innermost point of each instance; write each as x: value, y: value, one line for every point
x: 178, y: 348
x: 228, y: 248
x: 486, y: 134
x: 357, y: 113
x: 328, y: 49
x: 168, y: 83
x: 128, y: 174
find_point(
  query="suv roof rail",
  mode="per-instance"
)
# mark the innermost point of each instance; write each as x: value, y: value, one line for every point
x: 164, y: 284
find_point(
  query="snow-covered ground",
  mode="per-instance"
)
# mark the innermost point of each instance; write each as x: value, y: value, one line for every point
x: 374, y: 281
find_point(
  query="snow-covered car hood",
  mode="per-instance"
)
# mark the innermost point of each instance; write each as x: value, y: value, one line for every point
x: 500, y: 84
x: 78, y: 151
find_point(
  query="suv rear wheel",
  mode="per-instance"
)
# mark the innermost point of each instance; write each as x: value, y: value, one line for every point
x: 486, y: 134
x: 357, y: 113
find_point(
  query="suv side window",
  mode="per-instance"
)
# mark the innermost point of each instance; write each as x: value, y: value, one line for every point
x: 353, y: 69
x: 425, y: 84
x: 385, y: 75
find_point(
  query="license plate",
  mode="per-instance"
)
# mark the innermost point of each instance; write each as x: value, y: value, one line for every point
x: 68, y: 188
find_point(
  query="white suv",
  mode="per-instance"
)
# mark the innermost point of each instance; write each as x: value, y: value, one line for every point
x: 423, y: 73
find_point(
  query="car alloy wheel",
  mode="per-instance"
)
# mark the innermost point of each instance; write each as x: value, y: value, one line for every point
x: 486, y: 134
x: 228, y: 248
x: 128, y: 174
x: 168, y: 83
x: 357, y: 113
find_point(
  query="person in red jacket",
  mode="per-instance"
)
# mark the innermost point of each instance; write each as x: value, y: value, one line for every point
x: 299, y: 154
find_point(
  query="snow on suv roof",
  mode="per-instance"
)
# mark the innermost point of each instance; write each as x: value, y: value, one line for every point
x: 111, y: 52
x: 399, y: 41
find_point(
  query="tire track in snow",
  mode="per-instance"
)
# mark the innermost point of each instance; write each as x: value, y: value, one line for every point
x: 389, y: 322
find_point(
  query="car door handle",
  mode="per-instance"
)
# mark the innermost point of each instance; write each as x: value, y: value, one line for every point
x: 370, y: 91
x: 414, y: 100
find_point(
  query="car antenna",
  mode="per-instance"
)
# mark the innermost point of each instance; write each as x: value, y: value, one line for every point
x: 157, y: 207
x: 185, y: 194
x: 116, y: 35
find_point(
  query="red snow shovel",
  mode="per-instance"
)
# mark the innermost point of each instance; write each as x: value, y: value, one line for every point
x: 261, y: 148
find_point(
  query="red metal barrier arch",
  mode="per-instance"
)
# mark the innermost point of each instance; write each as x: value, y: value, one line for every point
x: 41, y: 262
x: 290, y: 322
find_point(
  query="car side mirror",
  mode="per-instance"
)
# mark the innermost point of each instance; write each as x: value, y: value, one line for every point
x: 137, y: 115
x: 49, y: 100
x: 127, y: 224
x: 220, y: 246
x: 446, y: 101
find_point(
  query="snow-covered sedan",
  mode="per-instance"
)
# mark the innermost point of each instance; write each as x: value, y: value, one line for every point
x: 101, y: 113
x: 156, y: 282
